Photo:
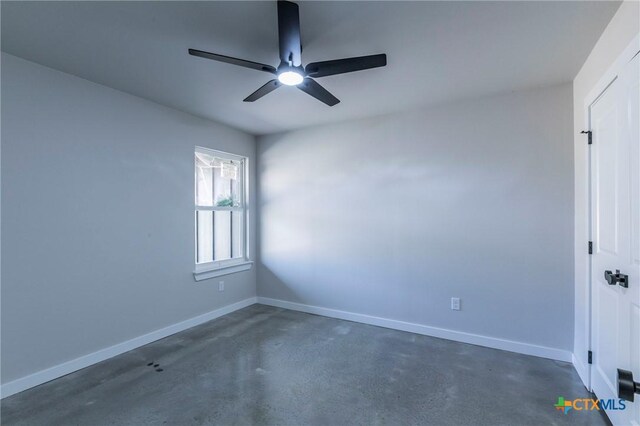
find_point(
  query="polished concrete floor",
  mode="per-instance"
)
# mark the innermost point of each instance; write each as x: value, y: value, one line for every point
x: 263, y: 365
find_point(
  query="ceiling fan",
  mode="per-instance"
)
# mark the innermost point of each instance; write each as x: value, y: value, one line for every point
x: 290, y: 72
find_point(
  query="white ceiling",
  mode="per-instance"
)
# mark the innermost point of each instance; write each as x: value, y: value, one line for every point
x: 437, y: 51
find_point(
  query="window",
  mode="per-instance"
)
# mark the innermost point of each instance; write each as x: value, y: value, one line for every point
x: 220, y: 213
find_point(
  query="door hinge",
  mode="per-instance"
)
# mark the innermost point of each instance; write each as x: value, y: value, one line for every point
x: 589, y: 136
x: 590, y: 357
x: 590, y: 247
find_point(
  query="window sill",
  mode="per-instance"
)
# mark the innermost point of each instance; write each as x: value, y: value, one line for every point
x: 218, y: 271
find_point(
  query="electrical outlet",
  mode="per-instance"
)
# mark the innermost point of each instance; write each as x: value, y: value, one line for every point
x: 221, y: 286
x: 455, y: 303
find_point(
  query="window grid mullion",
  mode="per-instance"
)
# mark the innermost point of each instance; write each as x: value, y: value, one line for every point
x: 231, y: 235
x: 220, y: 209
x: 213, y: 236
x: 197, y: 242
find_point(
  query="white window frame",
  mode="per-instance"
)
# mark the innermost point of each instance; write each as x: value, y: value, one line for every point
x: 218, y: 268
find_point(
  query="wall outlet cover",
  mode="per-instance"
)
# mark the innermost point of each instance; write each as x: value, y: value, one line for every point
x: 455, y: 303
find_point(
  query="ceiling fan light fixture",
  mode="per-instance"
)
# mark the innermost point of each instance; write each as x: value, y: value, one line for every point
x: 290, y: 78
x: 290, y: 72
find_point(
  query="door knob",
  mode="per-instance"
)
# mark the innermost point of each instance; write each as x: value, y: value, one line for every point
x: 626, y: 386
x: 618, y: 278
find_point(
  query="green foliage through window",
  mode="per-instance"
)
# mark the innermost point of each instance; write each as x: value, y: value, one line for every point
x: 226, y: 202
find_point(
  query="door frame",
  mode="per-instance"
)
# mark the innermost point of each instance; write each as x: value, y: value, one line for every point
x: 600, y: 87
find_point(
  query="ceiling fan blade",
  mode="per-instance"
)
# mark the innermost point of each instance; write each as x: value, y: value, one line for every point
x: 267, y: 88
x: 234, y: 61
x: 312, y: 88
x: 341, y: 66
x: 289, y: 33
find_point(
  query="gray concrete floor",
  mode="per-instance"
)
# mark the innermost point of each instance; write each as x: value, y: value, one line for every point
x: 263, y: 365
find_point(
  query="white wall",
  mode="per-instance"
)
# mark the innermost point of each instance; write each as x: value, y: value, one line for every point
x: 619, y: 33
x: 394, y: 215
x: 97, y: 217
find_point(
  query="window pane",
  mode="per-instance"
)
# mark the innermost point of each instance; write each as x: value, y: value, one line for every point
x: 237, y: 236
x: 204, y: 179
x: 219, y: 184
x: 227, y: 184
x: 222, y: 233
x: 204, y: 232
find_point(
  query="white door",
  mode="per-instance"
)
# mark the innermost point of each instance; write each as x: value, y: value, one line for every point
x: 615, y: 200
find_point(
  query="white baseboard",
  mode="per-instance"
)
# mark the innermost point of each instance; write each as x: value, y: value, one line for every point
x: 63, y: 369
x: 583, y: 371
x: 68, y: 367
x: 458, y: 336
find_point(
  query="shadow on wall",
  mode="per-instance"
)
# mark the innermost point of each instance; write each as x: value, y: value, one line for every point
x: 393, y: 216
